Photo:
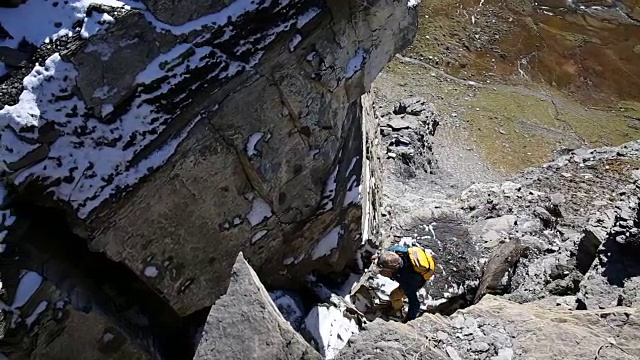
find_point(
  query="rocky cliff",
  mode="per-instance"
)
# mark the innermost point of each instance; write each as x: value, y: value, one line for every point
x: 145, y: 144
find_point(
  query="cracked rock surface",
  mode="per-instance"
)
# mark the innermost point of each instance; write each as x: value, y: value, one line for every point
x: 156, y: 140
x: 498, y: 329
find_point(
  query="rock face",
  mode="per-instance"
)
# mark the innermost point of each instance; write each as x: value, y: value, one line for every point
x: 155, y: 140
x: 498, y: 329
x: 246, y: 324
x: 175, y: 138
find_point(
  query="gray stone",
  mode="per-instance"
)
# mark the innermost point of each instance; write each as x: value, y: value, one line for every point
x: 371, y: 343
x: 587, y: 249
x: 442, y: 336
x: 398, y: 123
x: 504, y: 354
x: 453, y: 354
x: 499, y: 267
x: 565, y: 286
x: 557, y: 199
x: 176, y: 12
x: 533, y: 331
x: 246, y: 324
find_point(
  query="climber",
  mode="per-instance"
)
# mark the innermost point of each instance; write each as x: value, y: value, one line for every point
x: 411, y: 268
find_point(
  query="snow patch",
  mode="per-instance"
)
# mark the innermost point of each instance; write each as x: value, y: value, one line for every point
x: 352, y: 195
x: 328, y: 243
x: 88, y: 159
x: 94, y: 167
x: 47, y: 20
x: 413, y: 3
x: 252, y: 141
x: 103, y: 92
x: 29, y: 283
x: 294, y: 42
x: 106, y: 109
x: 355, y: 63
x: 330, y: 329
x: 329, y: 191
x: 151, y: 271
x: 94, y: 23
x: 306, y: 17
x: 260, y: 211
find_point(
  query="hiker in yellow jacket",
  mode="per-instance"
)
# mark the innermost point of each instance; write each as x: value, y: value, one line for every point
x: 411, y: 268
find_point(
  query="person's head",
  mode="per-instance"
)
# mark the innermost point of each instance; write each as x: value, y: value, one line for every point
x: 387, y: 263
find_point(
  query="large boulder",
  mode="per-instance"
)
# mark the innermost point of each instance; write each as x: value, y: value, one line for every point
x: 246, y: 324
x: 173, y: 147
x: 499, y: 329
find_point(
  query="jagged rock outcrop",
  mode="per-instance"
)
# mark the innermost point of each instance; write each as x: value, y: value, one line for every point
x: 172, y: 147
x: 246, y: 324
x: 498, y: 329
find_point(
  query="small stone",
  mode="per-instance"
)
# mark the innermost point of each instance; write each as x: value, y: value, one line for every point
x: 453, y: 354
x: 458, y: 322
x: 556, y: 199
x: 399, y: 124
x: 442, y: 336
x: 504, y: 354
x: 635, y: 175
x: 478, y: 346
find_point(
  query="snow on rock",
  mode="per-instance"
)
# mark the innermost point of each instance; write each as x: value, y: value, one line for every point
x: 252, y: 142
x: 48, y: 20
x: 290, y: 306
x: 355, y: 64
x: 42, y: 306
x: 329, y: 329
x: 327, y: 243
x: 352, y: 195
x: 92, y: 167
x: 260, y: 211
x: 413, y: 3
x: 329, y: 190
x: 6, y: 218
x: 29, y: 283
x: 294, y: 42
x: 92, y: 24
x: 93, y: 158
x: 151, y: 271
